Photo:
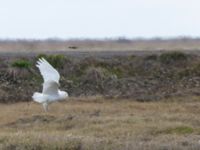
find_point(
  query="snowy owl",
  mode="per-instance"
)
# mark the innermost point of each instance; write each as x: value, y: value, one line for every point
x: 50, y: 92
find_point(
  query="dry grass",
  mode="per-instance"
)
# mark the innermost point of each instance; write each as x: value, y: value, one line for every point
x: 101, y: 124
x: 99, y: 45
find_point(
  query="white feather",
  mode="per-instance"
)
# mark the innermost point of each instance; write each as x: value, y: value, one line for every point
x: 39, y: 97
x: 50, y: 88
x: 50, y: 92
x: 47, y: 71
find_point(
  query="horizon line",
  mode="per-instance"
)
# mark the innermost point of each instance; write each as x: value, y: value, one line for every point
x: 102, y: 39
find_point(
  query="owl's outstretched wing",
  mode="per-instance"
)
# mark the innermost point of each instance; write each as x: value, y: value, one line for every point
x: 48, y: 72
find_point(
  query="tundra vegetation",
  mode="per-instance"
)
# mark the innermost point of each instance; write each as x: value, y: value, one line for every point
x: 121, y: 102
x: 145, y: 78
x: 96, y: 123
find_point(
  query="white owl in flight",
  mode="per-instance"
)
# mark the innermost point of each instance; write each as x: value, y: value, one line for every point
x: 50, y: 92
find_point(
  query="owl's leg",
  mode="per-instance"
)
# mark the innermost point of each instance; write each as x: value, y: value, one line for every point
x: 45, y: 106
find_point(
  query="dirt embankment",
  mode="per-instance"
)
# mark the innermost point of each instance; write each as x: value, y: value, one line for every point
x: 139, y: 76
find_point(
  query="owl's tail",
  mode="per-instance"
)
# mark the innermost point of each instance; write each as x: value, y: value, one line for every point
x: 39, y: 97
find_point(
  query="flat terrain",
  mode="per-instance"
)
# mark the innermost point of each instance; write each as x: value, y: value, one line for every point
x: 98, y: 48
x: 96, y: 45
x: 99, y: 124
x: 167, y: 86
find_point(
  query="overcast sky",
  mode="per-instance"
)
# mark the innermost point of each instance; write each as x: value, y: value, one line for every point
x: 99, y: 18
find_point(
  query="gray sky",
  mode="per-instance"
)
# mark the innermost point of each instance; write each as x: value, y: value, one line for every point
x: 99, y: 18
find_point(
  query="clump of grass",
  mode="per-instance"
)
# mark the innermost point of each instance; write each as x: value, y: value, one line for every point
x: 194, y: 70
x: 184, y: 73
x: 21, y: 64
x: 116, y: 71
x: 131, y: 57
x: 113, y: 67
x: 94, y: 78
x: 151, y: 57
x: 170, y: 57
x: 19, y: 69
x: 178, y: 130
x: 56, y: 61
x: 96, y: 74
x: 89, y: 62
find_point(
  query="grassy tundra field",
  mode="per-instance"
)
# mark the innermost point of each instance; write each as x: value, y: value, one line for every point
x: 141, y: 95
x: 95, y: 123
